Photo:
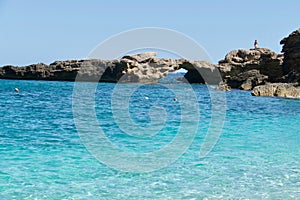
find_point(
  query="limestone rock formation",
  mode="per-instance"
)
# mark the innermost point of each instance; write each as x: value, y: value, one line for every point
x: 141, y: 68
x: 285, y: 90
x: 290, y: 68
x: 245, y: 69
x: 291, y: 62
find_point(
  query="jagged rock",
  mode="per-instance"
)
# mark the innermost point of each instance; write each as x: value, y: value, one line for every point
x: 291, y: 62
x: 285, y: 90
x: 147, y: 71
x: 237, y: 62
x: 141, y: 57
x: 251, y: 69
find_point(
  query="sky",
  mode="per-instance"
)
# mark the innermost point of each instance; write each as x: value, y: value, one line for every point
x: 35, y: 31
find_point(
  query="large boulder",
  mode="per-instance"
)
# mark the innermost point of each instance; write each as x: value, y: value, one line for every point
x: 291, y: 62
x: 285, y: 90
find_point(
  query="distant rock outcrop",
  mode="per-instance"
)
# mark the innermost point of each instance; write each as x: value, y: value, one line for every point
x: 245, y: 69
x: 141, y: 68
x: 291, y: 62
x: 64, y: 71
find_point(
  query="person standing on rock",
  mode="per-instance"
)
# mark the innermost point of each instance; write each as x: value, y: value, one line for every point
x: 255, y: 44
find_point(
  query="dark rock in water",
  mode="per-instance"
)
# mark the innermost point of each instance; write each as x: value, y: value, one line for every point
x: 142, y: 68
x: 291, y: 62
x: 238, y: 65
x: 285, y: 90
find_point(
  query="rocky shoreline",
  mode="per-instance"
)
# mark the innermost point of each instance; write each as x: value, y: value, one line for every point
x: 261, y: 70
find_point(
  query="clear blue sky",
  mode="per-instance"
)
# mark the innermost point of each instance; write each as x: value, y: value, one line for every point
x: 35, y: 31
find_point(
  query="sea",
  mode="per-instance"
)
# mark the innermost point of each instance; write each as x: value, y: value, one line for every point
x: 156, y: 141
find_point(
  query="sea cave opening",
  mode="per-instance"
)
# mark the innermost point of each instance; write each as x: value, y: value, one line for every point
x: 174, y: 77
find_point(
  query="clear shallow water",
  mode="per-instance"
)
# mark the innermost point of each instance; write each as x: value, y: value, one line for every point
x: 42, y: 156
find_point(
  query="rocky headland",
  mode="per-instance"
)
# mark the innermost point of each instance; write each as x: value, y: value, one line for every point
x: 245, y: 69
x: 289, y: 85
x: 261, y: 70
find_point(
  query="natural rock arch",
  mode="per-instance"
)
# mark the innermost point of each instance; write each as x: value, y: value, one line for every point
x: 142, y: 68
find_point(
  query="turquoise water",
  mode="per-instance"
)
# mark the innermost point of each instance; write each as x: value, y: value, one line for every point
x: 42, y: 156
